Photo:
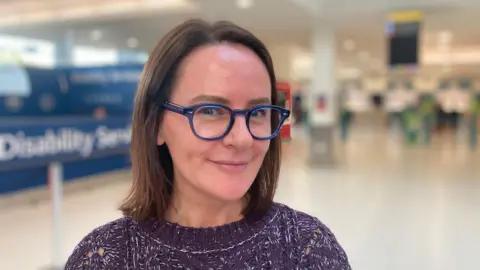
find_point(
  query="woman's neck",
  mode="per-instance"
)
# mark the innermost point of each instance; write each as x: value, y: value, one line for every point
x: 191, y: 211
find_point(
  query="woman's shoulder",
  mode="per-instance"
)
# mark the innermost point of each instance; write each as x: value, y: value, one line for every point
x: 319, y: 246
x: 301, y: 221
x: 104, y: 247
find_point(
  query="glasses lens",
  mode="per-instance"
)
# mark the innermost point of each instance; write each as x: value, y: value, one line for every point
x: 260, y: 122
x: 210, y: 122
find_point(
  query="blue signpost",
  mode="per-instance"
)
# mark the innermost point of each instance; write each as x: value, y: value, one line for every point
x: 53, y: 121
x: 50, y: 132
x: 30, y: 144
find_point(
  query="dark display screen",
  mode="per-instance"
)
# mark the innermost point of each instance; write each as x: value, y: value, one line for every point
x: 403, y: 43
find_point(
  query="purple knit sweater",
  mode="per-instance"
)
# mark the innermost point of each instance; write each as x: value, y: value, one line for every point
x: 282, y: 239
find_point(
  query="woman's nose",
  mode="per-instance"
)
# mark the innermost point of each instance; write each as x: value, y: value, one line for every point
x: 239, y: 136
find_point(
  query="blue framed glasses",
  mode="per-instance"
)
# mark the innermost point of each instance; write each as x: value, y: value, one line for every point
x: 211, y: 122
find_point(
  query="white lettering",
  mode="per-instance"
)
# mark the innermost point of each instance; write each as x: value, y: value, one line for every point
x: 106, y: 76
x: 89, y: 77
x: 62, y: 141
x: 8, y: 147
x: 110, y: 138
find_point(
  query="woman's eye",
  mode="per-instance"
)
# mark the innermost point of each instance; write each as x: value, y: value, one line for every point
x: 259, y: 113
x: 211, y: 111
x: 208, y: 111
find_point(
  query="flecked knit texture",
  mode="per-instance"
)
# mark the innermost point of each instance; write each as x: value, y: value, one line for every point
x: 282, y: 239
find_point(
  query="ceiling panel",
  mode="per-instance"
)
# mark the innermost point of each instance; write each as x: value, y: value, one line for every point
x: 149, y: 27
x: 280, y: 21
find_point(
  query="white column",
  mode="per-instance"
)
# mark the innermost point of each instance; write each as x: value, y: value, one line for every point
x: 55, y: 184
x: 323, y: 82
x: 323, y: 120
x: 64, y: 49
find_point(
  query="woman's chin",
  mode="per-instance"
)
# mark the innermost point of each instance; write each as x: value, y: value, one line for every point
x: 231, y: 189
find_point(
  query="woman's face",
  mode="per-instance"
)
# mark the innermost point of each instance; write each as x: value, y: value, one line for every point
x: 224, y: 169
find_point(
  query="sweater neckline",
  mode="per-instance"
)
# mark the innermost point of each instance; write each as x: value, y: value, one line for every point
x: 206, y: 240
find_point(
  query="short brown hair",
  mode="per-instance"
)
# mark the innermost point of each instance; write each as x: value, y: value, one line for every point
x: 152, y: 165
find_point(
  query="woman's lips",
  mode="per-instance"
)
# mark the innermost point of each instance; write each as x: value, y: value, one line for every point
x: 231, y: 166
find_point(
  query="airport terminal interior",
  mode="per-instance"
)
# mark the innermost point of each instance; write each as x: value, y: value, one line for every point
x: 381, y: 144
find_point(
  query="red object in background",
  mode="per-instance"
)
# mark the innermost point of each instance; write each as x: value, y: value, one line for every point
x: 100, y: 113
x: 284, y: 96
x: 321, y: 103
x: 285, y: 132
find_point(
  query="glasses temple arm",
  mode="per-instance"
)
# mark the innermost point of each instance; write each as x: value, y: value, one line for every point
x: 174, y: 107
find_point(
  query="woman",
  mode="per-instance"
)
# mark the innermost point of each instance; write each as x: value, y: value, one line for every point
x: 205, y: 160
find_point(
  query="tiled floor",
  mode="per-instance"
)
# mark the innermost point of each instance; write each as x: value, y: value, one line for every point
x: 391, y: 207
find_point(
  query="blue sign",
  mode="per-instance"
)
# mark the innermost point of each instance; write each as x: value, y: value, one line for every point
x: 110, y: 88
x: 32, y: 92
x: 35, y: 142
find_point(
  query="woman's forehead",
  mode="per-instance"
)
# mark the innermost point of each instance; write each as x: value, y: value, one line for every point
x: 222, y: 60
x: 222, y: 69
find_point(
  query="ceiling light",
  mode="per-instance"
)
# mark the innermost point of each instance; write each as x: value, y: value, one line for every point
x: 96, y: 35
x: 245, y: 4
x: 349, y: 45
x: 132, y: 42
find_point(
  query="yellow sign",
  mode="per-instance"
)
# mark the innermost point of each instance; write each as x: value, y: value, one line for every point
x: 406, y: 16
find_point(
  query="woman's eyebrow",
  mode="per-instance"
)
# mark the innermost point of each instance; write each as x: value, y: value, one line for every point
x: 209, y: 98
x: 259, y: 101
x: 224, y: 101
